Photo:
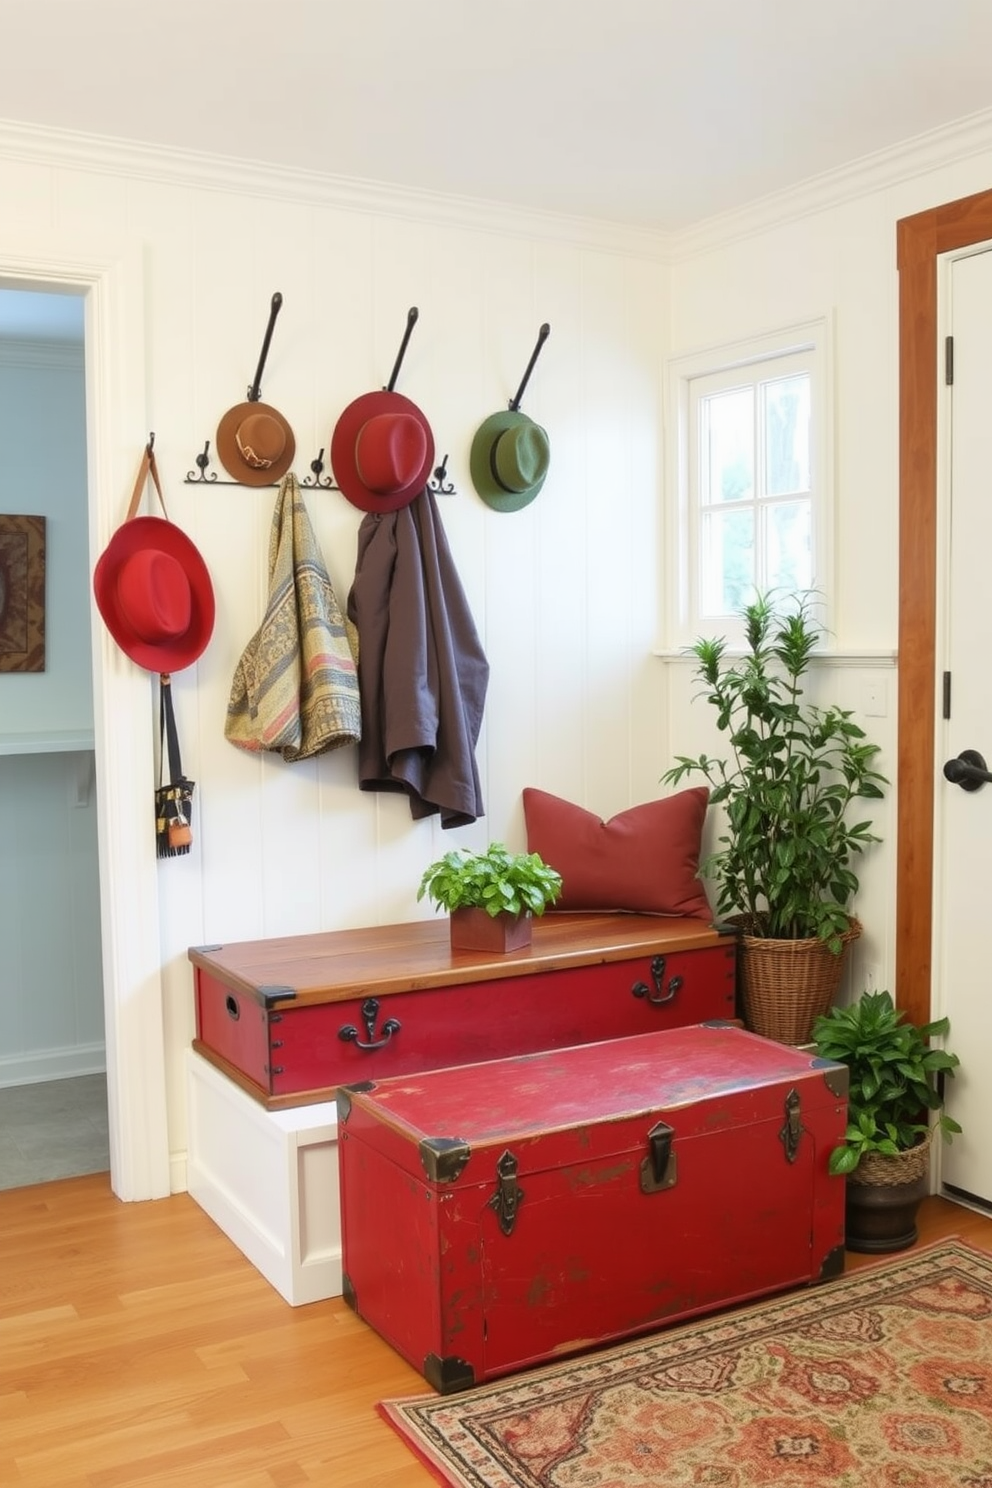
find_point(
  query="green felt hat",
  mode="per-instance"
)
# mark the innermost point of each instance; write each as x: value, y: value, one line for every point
x: 509, y: 460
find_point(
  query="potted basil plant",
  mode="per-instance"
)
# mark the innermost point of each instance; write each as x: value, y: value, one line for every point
x: 491, y: 897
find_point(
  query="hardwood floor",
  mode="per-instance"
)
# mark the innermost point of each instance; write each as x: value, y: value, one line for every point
x: 139, y: 1349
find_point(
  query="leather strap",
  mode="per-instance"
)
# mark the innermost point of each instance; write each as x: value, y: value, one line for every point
x: 147, y: 467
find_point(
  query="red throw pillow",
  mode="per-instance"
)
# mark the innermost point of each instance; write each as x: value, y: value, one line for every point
x: 644, y: 860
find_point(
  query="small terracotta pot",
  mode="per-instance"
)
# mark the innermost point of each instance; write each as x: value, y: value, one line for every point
x: 475, y: 930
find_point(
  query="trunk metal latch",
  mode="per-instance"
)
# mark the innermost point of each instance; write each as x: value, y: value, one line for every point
x: 660, y: 1168
x: 793, y: 1129
x: 508, y: 1197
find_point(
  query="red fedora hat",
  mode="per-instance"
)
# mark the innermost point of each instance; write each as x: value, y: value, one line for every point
x: 382, y: 451
x: 154, y: 593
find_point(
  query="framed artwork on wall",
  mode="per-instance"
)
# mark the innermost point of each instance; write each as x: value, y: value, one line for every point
x: 22, y: 594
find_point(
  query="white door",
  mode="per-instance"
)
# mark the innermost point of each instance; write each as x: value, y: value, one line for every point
x: 963, y: 817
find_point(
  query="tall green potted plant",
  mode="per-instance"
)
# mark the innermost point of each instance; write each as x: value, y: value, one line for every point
x: 784, y: 866
x: 895, y: 1104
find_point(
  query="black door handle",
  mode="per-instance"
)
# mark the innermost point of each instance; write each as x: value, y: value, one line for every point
x: 968, y: 770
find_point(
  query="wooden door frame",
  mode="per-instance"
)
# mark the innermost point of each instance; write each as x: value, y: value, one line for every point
x: 920, y: 239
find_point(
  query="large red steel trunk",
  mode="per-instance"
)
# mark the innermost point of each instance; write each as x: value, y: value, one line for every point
x: 500, y: 1214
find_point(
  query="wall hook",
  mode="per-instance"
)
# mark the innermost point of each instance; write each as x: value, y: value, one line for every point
x: 439, y: 483
x: 202, y: 460
x: 542, y: 336
x: 318, y: 478
x: 206, y: 477
x: 150, y: 446
x: 411, y: 321
x: 255, y: 390
x: 209, y: 477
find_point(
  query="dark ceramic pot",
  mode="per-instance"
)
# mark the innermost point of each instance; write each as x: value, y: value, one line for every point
x: 882, y: 1217
x: 883, y: 1196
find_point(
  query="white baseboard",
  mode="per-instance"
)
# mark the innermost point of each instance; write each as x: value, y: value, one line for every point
x: 52, y: 1064
x: 178, y: 1182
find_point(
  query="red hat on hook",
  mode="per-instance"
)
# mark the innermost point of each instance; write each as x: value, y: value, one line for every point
x: 154, y: 592
x: 382, y: 451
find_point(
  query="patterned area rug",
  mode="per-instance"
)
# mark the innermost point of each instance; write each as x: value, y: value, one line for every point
x: 881, y: 1379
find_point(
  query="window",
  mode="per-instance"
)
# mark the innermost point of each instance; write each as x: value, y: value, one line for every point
x: 750, y: 474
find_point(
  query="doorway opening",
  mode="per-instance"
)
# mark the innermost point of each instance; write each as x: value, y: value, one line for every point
x: 53, y: 1092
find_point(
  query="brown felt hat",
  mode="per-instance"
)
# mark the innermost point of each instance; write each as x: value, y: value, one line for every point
x: 255, y: 444
x: 382, y: 451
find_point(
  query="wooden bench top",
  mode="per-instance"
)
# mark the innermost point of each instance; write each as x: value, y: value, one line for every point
x: 333, y: 965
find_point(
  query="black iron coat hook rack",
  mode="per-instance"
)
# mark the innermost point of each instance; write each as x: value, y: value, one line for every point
x: 210, y: 478
x: 254, y: 395
x: 438, y: 483
x: 542, y: 336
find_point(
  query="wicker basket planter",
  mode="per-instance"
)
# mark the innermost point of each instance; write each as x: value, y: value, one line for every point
x: 787, y: 984
x: 883, y: 1196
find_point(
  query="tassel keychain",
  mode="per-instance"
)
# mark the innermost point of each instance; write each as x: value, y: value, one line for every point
x: 173, y: 802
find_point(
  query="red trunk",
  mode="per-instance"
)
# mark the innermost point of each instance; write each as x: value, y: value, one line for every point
x: 540, y: 1206
x: 290, y: 1019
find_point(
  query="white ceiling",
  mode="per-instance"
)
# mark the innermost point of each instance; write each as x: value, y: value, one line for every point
x: 659, y: 113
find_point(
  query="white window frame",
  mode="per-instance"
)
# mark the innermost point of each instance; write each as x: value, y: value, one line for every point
x: 681, y: 623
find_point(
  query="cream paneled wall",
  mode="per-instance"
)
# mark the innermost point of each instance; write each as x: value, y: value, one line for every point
x: 564, y: 593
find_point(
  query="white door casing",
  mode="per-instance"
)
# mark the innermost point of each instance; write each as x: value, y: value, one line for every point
x: 963, y: 818
x: 111, y: 278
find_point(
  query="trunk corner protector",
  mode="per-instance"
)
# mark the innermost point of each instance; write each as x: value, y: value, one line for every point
x: 836, y: 1076
x: 271, y: 994
x: 443, y: 1160
x: 832, y: 1264
x: 343, y: 1094
x: 448, y: 1374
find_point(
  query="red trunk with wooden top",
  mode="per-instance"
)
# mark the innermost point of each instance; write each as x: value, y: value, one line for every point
x: 500, y: 1214
x: 290, y: 1019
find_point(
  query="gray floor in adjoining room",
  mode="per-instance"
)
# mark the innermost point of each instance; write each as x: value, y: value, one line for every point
x: 54, y: 1129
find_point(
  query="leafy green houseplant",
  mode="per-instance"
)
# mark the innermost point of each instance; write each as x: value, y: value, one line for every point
x: 495, y: 884
x: 792, y: 771
x: 894, y: 1073
x: 789, y: 778
x: 895, y: 1088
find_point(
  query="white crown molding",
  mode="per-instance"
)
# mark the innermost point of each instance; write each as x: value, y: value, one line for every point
x: 31, y: 355
x: 38, y: 145
x: 102, y: 154
x: 935, y: 150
